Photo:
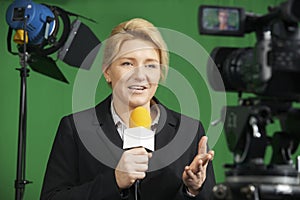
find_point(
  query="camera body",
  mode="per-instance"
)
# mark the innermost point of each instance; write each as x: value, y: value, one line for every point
x: 272, y: 67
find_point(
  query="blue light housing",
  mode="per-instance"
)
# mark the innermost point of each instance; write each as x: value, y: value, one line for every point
x: 36, y: 15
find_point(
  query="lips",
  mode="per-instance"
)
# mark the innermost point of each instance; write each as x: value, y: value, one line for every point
x: 137, y: 87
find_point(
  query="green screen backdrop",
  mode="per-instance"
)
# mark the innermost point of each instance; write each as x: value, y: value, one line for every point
x: 49, y: 100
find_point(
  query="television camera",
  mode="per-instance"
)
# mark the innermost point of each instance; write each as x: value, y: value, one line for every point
x: 271, y: 71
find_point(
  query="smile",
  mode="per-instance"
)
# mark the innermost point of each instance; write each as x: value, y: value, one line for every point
x: 137, y: 87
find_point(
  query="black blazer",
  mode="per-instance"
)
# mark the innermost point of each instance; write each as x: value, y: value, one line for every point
x: 87, y: 147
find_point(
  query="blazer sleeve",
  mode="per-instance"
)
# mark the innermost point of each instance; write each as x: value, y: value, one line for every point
x: 61, y: 181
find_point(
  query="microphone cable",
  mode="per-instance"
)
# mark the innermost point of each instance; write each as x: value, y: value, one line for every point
x: 136, y: 190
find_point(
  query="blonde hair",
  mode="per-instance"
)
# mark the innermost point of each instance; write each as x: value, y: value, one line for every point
x: 136, y: 28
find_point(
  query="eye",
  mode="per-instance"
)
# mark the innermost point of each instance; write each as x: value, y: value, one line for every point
x: 126, y: 63
x: 154, y: 66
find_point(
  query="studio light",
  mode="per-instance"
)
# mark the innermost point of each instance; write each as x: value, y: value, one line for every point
x: 39, y: 31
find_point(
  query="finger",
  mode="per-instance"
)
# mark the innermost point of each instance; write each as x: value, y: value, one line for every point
x: 140, y: 159
x: 190, y: 174
x: 202, y: 170
x: 141, y: 168
x: 186, y: 169
x: 138, y: 151
x: 138, y: 175
x: 200, y: 166
x: 132, y: 168
x: 206, y: 159
x: 195, y: 163
x: 212, y: 153
x: 202, y: 145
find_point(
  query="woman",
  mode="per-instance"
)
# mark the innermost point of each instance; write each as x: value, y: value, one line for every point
x: 135, y: 60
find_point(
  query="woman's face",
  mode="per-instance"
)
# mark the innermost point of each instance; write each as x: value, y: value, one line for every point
x: 223, y: 17
x: 135, y: 73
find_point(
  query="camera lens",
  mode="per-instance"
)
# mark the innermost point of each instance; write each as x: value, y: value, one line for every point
x: 236, y: 67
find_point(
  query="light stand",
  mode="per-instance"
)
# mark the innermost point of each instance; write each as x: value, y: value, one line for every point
x: 20, y: 181
x: 77, y: 46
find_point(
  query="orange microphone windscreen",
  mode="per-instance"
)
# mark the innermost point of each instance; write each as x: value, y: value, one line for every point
x: 140, y: 116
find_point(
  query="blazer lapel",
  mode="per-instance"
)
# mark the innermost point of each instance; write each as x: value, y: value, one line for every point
x: 106, y: 122
x: 166, y: 129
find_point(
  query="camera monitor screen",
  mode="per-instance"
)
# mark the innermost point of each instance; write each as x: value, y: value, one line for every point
x: 217, y: 20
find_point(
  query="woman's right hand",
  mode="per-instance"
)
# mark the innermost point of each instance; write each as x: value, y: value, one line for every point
x: 132, y: 166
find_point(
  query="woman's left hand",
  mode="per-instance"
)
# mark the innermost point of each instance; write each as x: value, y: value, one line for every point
x: 194, y: 175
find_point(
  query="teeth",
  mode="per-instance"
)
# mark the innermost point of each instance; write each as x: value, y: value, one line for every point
x: 136, y: 87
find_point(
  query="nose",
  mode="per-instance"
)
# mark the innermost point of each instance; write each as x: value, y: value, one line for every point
x: 140, y: 73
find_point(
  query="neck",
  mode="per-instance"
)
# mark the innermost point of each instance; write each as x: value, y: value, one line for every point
x: 223, y: 26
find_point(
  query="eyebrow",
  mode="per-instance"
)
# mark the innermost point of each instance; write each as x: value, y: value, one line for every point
x: 131, y: 58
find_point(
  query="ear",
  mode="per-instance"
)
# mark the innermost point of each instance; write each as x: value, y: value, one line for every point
x: 106, y: 74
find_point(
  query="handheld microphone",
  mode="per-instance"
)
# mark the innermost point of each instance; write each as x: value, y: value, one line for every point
x: 139, y: 134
